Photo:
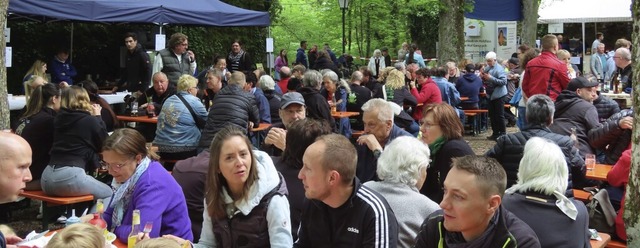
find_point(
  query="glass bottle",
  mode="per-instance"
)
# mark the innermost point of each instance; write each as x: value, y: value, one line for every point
x: 616, y: 85
x: 135, y: 228
x: 151, y: 110
x: 134, y: 108
x: 97, y: 220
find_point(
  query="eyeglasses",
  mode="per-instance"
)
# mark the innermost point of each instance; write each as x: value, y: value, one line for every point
x: 106, y: 165
x: 428, y: 125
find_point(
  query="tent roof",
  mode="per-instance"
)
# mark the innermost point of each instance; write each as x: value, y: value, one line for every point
x: 509, y: 10
x: 195, y: 12
x: 578, y: 11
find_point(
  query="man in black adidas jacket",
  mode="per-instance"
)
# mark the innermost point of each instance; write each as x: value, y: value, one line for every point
x: 339, y: 211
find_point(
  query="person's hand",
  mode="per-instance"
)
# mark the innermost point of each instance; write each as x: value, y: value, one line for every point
x: 143, y: 106
x: 114, y: 90
x: 174, y: 238
x: 143, y: 236
x: 277, y: 137
x: 228, y: 74
x: 412, y: 84
x: 192, y: 56
x: 12, y: 240
x: 485, y: 76
x: 250, y: 125
x: 96, y: 109
x: 369, y: 140
x: 626, y: 123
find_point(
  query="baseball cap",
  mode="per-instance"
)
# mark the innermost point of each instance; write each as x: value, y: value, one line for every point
x: 470, y: 68
x: 290, y: 98
x: 580, y: 82
x: 514, y: 61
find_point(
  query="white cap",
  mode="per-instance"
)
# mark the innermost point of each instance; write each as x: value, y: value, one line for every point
x: 490, y: 55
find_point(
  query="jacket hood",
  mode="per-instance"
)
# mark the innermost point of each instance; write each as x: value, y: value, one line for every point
x: 470, y: 77
x: 68, y: 117
x: 268, y: 179
x: 307, y: 91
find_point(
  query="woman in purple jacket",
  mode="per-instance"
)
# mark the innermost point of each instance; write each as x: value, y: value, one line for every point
x: 142, y: 183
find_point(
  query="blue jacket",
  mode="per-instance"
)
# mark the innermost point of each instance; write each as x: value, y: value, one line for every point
x: 469, y: 85
x: 176, y: 126
x: 367, y: 163
x: 448, y: 91
x: 301, y: 57
x: 62, y: 71
x: 263, y: 105
x: 497, y: 81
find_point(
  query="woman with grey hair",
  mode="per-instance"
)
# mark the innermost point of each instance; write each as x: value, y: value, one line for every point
x: 376, y: 63
x: 403, y: 171
x: 337, y: 92
x: 542, y: 180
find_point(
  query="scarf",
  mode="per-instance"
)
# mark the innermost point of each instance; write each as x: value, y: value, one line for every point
x: 435, y: 147
x: 236, y: 58
x: 124, y: 193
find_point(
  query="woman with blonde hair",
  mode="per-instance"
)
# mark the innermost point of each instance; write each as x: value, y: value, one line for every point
x: 246, y: 199
x: 32, y: 83
x: 39, y: 68
x: 178, y: 133
x: 142, y: 183
x: 79, y: 235
x: 78, y: 135
x: 396, y: 91
x: 565, y: 56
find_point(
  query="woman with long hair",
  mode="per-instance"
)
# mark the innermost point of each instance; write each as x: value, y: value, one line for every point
x: 281, y: 61
x: 376, y: 63
x: 32, y: 83
x: 141, y: 183
x: 414, y: 56
x: 77, y: 141
x: 338, y: 91
x: 36, y: 127
x: 245, y: 203
x: 39, y: 68
x: 442, y: 131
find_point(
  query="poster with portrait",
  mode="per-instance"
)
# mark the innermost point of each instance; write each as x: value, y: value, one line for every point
x: 506, y: 39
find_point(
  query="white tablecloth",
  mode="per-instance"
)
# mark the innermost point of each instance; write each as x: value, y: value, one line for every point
x: 18, y: 102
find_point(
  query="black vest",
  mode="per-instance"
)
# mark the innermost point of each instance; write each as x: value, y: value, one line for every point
x: 171, y: 67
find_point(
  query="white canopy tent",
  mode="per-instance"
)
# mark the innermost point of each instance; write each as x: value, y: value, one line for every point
x: 582, y: 11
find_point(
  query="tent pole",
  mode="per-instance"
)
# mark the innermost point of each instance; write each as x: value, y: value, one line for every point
x: 160, y: 27
x: 71, y: 48
x: 584, y: 41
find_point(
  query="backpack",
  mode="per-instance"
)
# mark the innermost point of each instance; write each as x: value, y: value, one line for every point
x: 602, y: 216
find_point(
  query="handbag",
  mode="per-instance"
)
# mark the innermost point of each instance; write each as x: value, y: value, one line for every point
x: 199, y: 121
x: 602, y: 216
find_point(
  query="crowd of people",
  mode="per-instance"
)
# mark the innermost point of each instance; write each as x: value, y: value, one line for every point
x: 305, y: 181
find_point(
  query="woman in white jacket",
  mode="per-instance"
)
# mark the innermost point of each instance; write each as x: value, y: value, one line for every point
x: 245, y: 202
x: 376, y: 63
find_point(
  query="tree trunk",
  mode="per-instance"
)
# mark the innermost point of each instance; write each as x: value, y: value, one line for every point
x: 529, y: 22
x: 632, y: 204
x: 4, y: 102
x: 451, y: 35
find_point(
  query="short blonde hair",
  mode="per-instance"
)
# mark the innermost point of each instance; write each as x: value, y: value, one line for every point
x: 562, y: 54
x: 186, y: 82
x: 76, y: 98
x: 81, y: 235
x: 157, y: 243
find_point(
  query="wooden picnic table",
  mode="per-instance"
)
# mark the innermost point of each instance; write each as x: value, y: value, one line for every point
x: 140, y: 118
x: 345, y: 114
x: 598, y: 243
x: 261, y: 127
x: 599, y: 172
x: 464, y: 98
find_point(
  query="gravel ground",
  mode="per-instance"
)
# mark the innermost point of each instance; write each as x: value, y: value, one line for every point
x: 23, y: 218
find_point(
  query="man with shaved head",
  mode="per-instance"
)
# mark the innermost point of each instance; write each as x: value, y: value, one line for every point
x: 15, y: 159
x: 285, y: 75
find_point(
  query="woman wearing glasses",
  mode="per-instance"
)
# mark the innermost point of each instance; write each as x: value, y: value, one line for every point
x: 177, y: 134
x: 77, y: 139
x: 141, y: 183
x: 442, y: 131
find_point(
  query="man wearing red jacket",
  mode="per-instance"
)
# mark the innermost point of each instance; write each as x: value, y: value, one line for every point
x: 546, y: 74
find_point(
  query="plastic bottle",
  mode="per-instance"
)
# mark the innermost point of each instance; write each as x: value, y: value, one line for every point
x: 73, y: 219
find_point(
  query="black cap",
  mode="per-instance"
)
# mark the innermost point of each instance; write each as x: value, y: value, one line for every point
x: 580, y: 82
x: 514, y: 61
x: 470, y: 68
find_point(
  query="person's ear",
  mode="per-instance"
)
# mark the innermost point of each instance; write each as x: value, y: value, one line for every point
x: 494, y: 203
x: 334, y: 177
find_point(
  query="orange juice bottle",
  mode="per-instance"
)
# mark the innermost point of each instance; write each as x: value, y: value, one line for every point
x: 135, y: 228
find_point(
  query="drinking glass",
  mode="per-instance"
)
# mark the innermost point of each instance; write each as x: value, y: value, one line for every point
x: 590, y: 161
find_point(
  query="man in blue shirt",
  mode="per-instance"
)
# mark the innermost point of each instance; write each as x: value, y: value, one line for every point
x: 301, y: 55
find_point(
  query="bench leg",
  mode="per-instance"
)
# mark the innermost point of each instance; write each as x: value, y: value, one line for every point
x: 45, y: 216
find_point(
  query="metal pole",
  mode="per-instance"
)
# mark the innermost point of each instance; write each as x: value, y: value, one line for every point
x: 343, y: 33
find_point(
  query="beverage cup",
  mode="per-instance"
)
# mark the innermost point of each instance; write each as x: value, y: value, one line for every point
x: 590, y: 161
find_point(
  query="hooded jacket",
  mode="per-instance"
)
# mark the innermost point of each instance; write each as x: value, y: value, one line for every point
x: 38, y: 131
x: 573, y: 111
x: 469, y: 85
x: 77, y: 139
x: 245, y: 227
x: 317, y: 106
x: 611, y: 138
x: 137, y: 74
x: 508, y: 232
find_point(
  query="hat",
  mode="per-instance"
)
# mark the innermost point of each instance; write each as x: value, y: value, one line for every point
x: 291, y: 97
x: 267, y: 83
x: 491, y: 55
x: 470, y: 68
x: 580, y: 82
x: 514, y: 61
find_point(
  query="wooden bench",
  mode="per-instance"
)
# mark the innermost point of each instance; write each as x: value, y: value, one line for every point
x: 51, y: 201
x: 616, y: 244
x: 582, y: 195
x: 475, y: 123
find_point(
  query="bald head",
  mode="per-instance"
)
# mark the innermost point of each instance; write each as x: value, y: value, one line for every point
x: 15, y: 159
x: 285, y: 72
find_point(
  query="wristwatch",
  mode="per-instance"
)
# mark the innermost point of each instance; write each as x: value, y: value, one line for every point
x: 376, y: 153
